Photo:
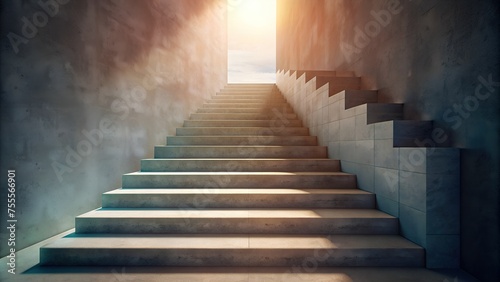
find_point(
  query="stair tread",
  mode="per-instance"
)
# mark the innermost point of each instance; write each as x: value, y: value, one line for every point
x: 267, y: 211
x: 230, y: 241
x: 235, y: 213
x: 241, y: 159
x: 229, y: 173
x: 237, y: 191
x: 237, y: 146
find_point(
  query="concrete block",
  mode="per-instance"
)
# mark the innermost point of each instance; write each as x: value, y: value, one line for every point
x: 387, y: 183
x: 386, y: 155
x: 334, y: 131
x: 387, y: 205
x: 365, y: 174
x: 334, y: 111
x: 412, y: 224
x: 413, y: 159
x: 443, y: 160
x: 334, y: 150
x: 346, y: 113
x: 443, y: 251
x: 325, y: 115
x: 347, y: 149
x: 364, y: 131
x: 364, y: 152
x: 443, y: 203
x: 413, y: 190
x: 348, y: 129
x: 384, y: 130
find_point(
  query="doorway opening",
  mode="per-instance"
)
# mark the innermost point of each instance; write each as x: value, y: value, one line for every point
x: 251, y: 41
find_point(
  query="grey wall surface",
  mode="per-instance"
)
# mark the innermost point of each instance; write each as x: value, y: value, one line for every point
x: 439, y: 58
x: 88, y: 88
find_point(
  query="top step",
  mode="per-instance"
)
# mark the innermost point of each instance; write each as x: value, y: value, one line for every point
x: 251, y: 85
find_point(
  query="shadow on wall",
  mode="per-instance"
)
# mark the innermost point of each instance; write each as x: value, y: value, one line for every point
x: 88, y: 89
x: 116, y: 34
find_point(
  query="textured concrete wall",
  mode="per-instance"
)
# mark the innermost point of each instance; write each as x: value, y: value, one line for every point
x: 420, y: 186
x: 439, y: 58
x: 88, y: 88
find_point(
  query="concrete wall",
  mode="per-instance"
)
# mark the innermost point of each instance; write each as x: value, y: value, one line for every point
x: 439, y: 58
x: 88, y: 88
x: 420, y: 186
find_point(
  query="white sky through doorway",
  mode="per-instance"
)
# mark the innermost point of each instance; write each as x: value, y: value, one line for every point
x: 251, y: 41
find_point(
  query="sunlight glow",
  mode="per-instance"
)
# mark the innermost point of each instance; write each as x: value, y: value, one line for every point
x: 251, y: 41
x: 256, y: 13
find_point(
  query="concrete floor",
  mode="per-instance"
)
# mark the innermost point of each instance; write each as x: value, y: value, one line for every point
x: 27, y: 269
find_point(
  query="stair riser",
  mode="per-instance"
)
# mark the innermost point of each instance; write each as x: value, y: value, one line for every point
x: 251, y: 165
x: 259, y: 97
x: 242, y: 131
x: 221, y: 100
x: 296, y: 258
x: 239, y: 181
x: 182, y: 225
x: 237, y: 201
x: 243, y: 140
x: 233, y: 111
x: 240, y: 152
x: 237, y: 91
x: 243, y: 116
x: 242, y: 123
x: 265, y: 106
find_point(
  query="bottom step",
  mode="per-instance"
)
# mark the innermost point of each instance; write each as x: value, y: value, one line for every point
x: 232, y: 250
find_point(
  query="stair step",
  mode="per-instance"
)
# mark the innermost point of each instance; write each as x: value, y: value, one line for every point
x: 243, y: 91
x: 232, y: 250
x: 262, y: 100
x: 328, y: 180
x: 239, y: 221
x: 242, y: 116
x: 300, y: 152
x: 249, y: 96
x: 234, y: 111
x: 238, y: 90
x: 243, y: 140
x: 251, y: 165
x: 238, y: 198
x: 242, y: 123
x: 243, y: 184
x: 242, y: 131
x: 267, y: 106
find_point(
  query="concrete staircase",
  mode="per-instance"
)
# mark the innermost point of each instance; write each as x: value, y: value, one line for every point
x: 242, y: 184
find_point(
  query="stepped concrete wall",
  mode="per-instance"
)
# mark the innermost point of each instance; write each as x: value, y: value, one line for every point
x: 420, y: 186
x: 88, y: 89
x: 439, y: 58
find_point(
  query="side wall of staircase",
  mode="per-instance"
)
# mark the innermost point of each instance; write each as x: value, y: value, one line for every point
x: 401, y: 161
